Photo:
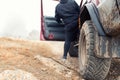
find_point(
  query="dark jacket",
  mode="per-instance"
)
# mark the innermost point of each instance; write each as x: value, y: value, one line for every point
x: 68, y: 11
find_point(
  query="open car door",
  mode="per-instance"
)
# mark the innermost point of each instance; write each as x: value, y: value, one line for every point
x: 50, y: 29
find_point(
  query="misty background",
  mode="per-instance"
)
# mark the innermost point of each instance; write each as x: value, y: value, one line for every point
x: 20, y: 18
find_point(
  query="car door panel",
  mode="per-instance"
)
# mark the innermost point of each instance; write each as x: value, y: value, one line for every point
x: 52, y: 29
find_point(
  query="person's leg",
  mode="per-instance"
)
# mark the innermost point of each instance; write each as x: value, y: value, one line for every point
x: 69, y: 37
x: 67, y: 44
x: 66, y: 48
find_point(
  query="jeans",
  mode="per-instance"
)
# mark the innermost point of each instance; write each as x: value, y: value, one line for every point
x: 70, y: 36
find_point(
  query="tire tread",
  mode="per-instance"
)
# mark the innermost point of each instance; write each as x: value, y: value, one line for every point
x: 97, y: 68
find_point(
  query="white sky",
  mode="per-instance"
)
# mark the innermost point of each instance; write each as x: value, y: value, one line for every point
x: 19, y: 17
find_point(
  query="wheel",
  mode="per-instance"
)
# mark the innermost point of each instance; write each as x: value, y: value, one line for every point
x: 91, y: 67
x: 73, y: 51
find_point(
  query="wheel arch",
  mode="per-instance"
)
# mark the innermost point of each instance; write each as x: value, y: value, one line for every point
x: 90, y: 12
x: 84, y: 15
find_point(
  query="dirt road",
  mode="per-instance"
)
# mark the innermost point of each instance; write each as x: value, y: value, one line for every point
x: 38, y: 60
x: 34, y: 60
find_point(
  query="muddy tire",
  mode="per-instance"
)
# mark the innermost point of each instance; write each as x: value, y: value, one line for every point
x: 73, y: 51
x: 91, y: 67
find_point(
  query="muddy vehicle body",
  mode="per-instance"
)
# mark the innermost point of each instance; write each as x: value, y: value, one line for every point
x: 99, y: 40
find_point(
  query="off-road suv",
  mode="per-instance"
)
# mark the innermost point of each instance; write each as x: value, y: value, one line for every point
x: 99, y: 39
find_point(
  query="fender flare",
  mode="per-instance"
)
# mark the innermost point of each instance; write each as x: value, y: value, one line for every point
x: 94, y: 16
